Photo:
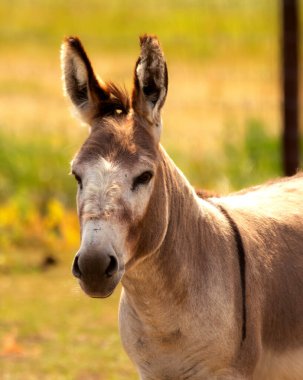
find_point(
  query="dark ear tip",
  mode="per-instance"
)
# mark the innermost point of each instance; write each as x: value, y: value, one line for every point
x: 72, y: 41
x: 149, y: 40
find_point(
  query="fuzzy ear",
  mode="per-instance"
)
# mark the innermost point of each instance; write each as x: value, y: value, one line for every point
x: 80, y: 82
x: 150, y: 83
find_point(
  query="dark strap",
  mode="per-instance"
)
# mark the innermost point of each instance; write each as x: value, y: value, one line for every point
x: 242, y: 262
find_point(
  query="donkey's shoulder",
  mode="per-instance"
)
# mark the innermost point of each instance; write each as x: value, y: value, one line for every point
x: 281, y: 184
x: 279, y: 199
x: 278, y: 185
x: 282, y: 189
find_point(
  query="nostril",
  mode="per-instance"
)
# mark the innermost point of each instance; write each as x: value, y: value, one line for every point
x: 76, y: 270
x: 112, y: 266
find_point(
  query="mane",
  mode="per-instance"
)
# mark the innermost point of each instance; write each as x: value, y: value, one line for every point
x: 119, y: 100
x: 205, y: 194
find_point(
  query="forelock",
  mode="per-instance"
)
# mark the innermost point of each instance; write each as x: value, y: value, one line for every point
x: 117, y: 140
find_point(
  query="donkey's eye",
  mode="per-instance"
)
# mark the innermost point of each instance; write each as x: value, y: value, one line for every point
x: 142, y: 179
x: 78, y: 179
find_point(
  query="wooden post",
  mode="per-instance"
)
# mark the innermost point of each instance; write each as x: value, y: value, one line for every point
x: 290, y: 68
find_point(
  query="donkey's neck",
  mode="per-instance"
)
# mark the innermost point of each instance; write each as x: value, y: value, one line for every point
x: 175, y: 297
x: 182, y: 260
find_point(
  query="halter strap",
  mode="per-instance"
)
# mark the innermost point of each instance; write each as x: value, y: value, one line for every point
x: 241, y: 260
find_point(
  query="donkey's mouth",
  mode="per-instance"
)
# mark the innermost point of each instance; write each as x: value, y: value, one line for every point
x: 102, y: 288
x: 96, y: 293
x: 102, y: 297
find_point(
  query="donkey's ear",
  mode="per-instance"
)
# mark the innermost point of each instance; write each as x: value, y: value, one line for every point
x: 150, y: 83
x: 79, y: 80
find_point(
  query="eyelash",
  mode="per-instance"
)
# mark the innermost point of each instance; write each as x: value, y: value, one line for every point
x: 78, y: 179
x: 142, y: 179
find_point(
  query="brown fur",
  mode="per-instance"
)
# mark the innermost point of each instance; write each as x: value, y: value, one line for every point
x: 112, y: 132
x: 185, y: 289
x: 95, y: 99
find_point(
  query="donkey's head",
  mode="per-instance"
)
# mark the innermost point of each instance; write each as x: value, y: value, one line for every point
x: 117, y: 168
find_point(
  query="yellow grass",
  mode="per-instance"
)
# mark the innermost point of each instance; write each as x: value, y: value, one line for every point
x: 50, y: 331
x: 203, y: 100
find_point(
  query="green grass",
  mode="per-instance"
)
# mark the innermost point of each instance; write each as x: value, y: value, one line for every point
x: 256, y: 159
x: 243, y: 162
x: 56, y: 332
x: 187, y: 28
x: 36, y: 167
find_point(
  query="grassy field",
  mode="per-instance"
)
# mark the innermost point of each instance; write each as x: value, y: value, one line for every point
x: 50, y: 331
x: 221, y: 126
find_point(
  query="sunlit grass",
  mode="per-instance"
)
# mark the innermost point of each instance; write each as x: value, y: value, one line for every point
x: 188, y: 28
x: 50, y: 330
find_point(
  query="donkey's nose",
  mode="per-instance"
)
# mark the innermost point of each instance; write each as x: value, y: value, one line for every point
x: 75, y: 269
x: 94, y: 266
x: 112, y: 266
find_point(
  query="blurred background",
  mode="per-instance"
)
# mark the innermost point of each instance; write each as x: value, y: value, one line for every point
x: 222, y: 127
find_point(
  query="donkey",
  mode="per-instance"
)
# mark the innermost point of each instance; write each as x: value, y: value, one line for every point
x: 211, y: 287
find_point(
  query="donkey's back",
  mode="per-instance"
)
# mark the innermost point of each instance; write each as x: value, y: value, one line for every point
x: 269, y: 219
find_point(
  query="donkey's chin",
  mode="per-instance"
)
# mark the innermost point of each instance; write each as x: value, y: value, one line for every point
x: 100, y: 289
